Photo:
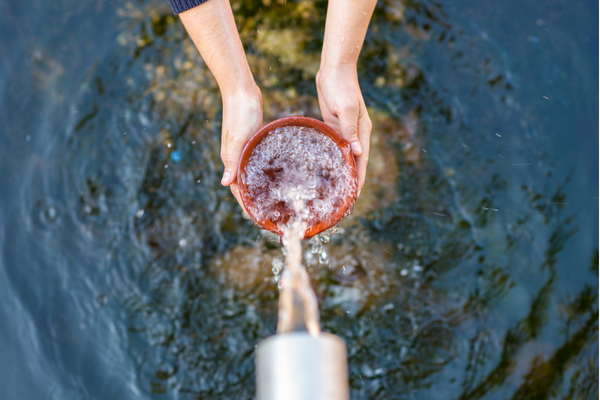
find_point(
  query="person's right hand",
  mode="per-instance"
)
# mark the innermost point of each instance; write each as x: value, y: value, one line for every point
x: 242, y: 118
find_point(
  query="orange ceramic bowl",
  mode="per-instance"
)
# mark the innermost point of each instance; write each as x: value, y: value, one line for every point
x: 344, y: 146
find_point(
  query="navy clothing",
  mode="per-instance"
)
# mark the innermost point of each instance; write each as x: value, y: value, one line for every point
x: 180, y: 6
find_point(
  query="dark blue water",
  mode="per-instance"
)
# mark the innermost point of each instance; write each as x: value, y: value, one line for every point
x: 468, y: 270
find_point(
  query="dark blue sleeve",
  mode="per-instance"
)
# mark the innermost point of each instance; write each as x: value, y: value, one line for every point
x: 180, y: 6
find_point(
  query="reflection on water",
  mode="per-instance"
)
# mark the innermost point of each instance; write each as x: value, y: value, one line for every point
x: 468, y: 268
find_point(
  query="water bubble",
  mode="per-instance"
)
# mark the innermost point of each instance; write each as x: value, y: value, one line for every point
x: 404, y: 272
x: 139, y: 213
x: 182, y: 242
x: 28, y: 138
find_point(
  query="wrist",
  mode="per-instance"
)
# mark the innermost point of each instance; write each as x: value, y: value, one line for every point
x: 346, y: 71
x: 242, y: 96
x: 337, y: 63
x: 238, y: 86
x: 244, y: 88
x: 335, y: 59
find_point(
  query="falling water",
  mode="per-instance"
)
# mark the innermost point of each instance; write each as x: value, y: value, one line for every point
x: 298, y: 308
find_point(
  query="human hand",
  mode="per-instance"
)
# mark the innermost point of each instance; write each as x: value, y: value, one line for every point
x: 212, y: 28
x: 242, y: 118
x: 343, y: 108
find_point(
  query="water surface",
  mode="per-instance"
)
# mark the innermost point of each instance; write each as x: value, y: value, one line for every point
x: 468, y: 269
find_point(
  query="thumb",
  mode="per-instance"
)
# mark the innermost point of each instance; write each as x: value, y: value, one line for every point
x: 349, y: 126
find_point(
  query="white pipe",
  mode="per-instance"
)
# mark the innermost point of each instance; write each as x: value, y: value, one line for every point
x: 298, y: 366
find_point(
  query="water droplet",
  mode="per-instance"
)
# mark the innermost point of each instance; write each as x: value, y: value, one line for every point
x: 36, y: 56
x: 323, y: 258
x: 139, y: 213
x: 277, y: 266
x: 182, y: 242
x: 51, y: 214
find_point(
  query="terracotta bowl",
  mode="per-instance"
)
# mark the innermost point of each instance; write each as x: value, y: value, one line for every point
x: 309, y: 123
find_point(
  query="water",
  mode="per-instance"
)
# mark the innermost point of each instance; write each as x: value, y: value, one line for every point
x: 298, y: 307
x: 126, y: 274
x: 297, y: 177
x: 298, y: 164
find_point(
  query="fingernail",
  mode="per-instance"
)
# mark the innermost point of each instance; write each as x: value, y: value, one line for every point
x: 355, y: 146
x: 226, y: 178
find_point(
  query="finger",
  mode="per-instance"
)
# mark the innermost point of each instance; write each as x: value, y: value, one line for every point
x: 364, y: 134
x: 231, y: 150
x: 236, y: 193
x: 348, y: 116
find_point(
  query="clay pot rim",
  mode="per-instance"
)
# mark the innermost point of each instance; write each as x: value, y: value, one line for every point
x: 309, y: 123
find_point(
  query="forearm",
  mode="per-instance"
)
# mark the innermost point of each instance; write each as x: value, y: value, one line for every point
x: 212, y: 29
x: 345, y: 29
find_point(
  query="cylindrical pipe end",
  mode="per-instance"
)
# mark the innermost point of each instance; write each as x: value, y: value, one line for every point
x: 298, y: 366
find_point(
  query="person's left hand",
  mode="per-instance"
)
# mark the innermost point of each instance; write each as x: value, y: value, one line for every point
x: 343, y: 108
